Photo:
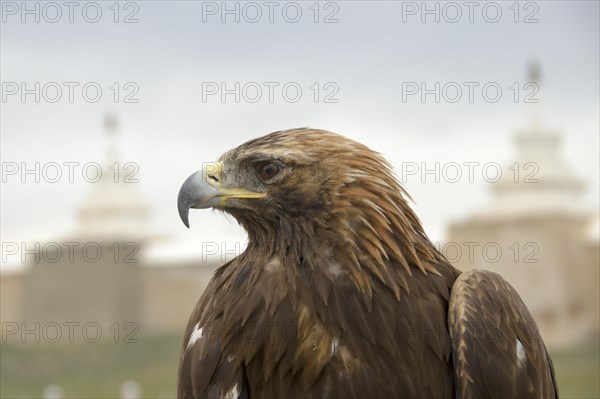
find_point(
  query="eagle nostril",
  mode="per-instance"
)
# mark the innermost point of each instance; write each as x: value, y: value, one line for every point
x: 214, y: 178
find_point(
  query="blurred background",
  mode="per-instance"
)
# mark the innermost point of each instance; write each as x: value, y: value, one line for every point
x: 489, y: 112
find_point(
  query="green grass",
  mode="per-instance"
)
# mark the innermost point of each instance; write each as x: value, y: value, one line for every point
x: 578, y: 372
x: 88, y: 370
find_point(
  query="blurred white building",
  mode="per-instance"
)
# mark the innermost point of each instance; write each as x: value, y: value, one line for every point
x: 541, y: 236
x: 122, y: 285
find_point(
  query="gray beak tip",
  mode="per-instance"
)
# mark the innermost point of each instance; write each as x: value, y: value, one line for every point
x: 183, y: 206
x: 184, y: 214
x: 185, y: 221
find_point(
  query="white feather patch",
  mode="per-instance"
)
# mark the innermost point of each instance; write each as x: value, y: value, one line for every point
x: 335, y: 343
x: 274, y: 264
x: 334, y: 268
x: 521, y: 354
x: 196, y: 335
x: 233, y: 393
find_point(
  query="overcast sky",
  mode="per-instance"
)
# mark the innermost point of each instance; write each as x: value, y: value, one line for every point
x: 366, y: 62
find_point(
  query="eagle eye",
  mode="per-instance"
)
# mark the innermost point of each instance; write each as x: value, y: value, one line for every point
x: 268, y: 170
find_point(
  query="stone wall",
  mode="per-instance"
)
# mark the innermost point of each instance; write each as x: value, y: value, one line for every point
x: 544, y: 258
x: 12, y: 295
x: 170, y: 293
x: 158, y: 298
x: 83, y: 289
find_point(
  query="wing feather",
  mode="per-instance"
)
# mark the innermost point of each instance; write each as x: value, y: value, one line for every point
x: 497, y: 350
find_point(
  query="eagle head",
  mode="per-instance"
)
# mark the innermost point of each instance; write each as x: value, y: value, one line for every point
x: 284, y: 176
x: 307, y: 187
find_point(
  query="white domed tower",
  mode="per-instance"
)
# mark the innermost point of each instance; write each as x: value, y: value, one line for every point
x: 101, y: 281
x: 535, y: 233
x: 113, y: 210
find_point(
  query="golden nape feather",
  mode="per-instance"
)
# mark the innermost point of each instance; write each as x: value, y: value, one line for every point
x: 339, y: 292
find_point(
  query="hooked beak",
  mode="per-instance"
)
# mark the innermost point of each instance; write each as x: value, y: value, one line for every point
x: 204, y: 189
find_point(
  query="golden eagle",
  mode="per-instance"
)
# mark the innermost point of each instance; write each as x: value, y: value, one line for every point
x: 340, y: 293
